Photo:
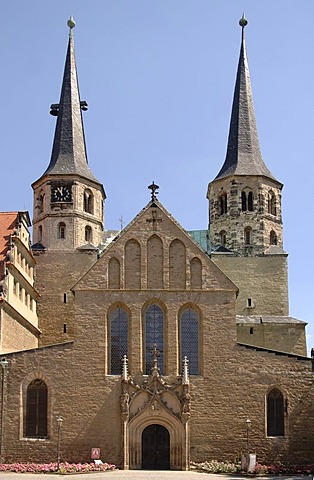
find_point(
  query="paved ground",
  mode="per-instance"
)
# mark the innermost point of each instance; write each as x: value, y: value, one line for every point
x: 136, y: 475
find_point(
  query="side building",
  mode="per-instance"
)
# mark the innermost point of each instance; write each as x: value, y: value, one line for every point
x: 18, y: 315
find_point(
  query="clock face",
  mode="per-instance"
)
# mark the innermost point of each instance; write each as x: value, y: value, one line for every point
x: 61, y: 193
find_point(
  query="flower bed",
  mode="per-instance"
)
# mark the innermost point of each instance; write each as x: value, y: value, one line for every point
x: 228, y: 467
x: 53, y: 467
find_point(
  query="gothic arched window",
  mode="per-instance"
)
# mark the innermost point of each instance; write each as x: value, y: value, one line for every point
x: 273, y: 238
x: 271, y: 203
x: 88, y: 202
x: 61, y: 230
x: 88, y: 234
x: 36, y: 409
x: 154, y: 336
x: 223, y: 204
x: 189, y: 339
x: 119, y: 339
x: 275, y: 413
x: 247, y: 236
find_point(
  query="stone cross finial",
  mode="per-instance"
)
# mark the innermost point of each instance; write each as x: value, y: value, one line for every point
x: 153, y: 187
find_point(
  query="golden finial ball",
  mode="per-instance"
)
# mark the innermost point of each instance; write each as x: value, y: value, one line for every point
x: 71, y: 23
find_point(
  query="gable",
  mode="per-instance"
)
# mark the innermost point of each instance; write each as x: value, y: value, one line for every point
x: 154, y: 253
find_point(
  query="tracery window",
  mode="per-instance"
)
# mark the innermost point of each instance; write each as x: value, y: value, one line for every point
x: 275, y: 413
x: 119, y: 339
x: 88, y: 201
x: 36, y: 409
x: 154, y: 336
x: 189, y: 332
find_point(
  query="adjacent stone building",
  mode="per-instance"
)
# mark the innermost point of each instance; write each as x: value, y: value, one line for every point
x: 155, y: 345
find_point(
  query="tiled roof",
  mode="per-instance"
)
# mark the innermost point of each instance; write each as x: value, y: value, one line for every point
x: 268, y: 319
x: 8, y: 221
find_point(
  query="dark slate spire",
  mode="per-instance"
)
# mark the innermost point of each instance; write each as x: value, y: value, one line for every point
x: 243, y: 152
x: 69, y: 150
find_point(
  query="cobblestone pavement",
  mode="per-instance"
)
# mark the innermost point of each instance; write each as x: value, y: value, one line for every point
x: 137, y: 475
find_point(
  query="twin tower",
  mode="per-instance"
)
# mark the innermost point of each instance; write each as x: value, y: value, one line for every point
x: 245, y: 218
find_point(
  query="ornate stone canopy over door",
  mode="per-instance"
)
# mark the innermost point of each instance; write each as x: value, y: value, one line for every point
x: 155, y: 421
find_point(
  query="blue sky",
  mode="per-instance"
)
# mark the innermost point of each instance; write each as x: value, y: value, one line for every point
x: 158, y: 76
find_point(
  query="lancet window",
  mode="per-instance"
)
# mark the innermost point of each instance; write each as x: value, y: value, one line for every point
x: 189, y: 333
x: 275, y: 413
x: 36, y: 409
x: 119, y: 339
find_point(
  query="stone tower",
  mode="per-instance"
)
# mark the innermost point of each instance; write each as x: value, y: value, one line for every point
x: 245, y: 220
x: 68, y: 212
x: 244, y: 198
x: 68, y: 199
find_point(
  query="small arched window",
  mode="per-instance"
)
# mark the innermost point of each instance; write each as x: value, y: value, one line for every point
x: 119, y: 339
x: 223, y: 204
x: 61, y: 230
x: 244, y: 202
x: 273, y: 238
x: 40, y: 234
x: 271, y: 203
x: 41, y: 202
x: 88, y: 234
x: 275, y: 413
x: 88, y: 201
x: 223, y: 238
x: 36, y: 409
x: 189, y: 339
x: 248, y: 236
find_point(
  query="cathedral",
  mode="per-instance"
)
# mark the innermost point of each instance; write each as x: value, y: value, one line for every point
x: 156, y: 345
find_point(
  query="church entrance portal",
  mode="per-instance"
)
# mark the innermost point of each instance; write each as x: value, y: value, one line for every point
x: 155, y: 448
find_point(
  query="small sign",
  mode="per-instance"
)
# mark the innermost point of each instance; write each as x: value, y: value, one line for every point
x: 95, y: 453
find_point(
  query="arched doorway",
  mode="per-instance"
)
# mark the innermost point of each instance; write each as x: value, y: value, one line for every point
x: 155, y: 448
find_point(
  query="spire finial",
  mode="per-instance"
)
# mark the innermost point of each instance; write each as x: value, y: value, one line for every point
x: 71, y: 23
x: 243, y: 21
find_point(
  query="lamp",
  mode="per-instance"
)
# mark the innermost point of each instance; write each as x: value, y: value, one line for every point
x: 59, y: 422
x: 248, y: 425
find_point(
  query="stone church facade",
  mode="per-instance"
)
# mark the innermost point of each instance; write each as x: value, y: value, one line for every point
x: 150, y: 346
